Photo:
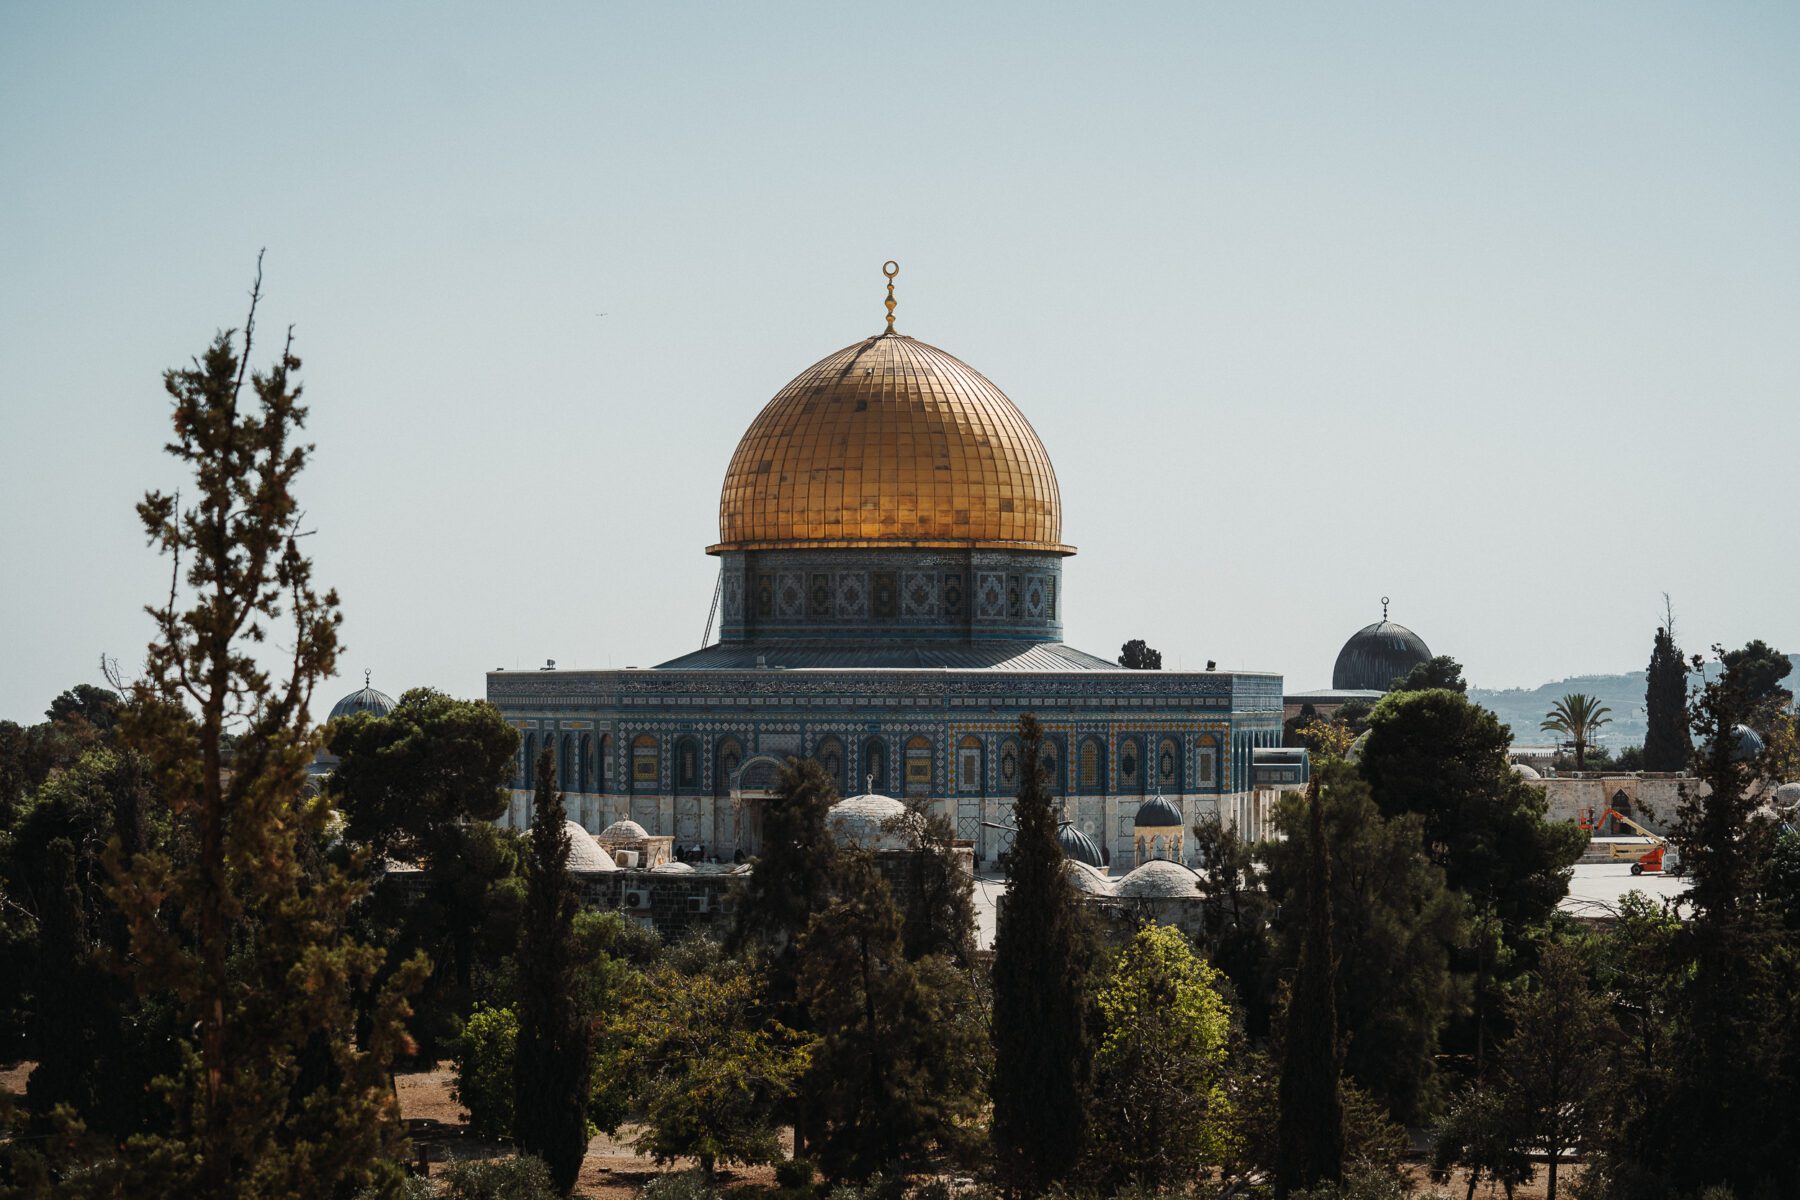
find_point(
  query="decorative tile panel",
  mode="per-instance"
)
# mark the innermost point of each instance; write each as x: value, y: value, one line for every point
x: 990, y: 596
x: 790, y: 594
x: 853, y: 595
x: 918, y: 594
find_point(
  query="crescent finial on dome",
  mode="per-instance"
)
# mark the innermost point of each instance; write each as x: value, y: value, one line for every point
x: 891, y: 269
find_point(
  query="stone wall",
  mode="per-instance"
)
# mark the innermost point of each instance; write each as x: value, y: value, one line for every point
x: 1647, y: 798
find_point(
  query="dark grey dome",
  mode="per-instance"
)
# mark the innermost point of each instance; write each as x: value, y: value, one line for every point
x: 1079, y: 846
x: 1157, y: 813
x: 1376, y: 654
x: 1746, y: 743
x: 364, y: 700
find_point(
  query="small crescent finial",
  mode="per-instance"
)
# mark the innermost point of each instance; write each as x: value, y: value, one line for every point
x: 891, y: 269
x: 1384, y: 604
x: 868, y: 785
x: 366, y: 677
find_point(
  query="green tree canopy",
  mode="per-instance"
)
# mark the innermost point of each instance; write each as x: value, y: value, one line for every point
x: 407, y: 782
x: 1393, y: 925
x: 712, y: 1069
x: 896, y: 1064
x: 1136, y: 655
x: 1440, y: 672
x: 1159, y: 1069
x: 1438, y: 756
x: 423, y: 785
x: 1757, y: 670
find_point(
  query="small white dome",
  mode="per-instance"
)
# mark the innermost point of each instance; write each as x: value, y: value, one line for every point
x: 870, y: 821
x: 672, y: 868
x: 1159, y: 879
x: 1526, y: 771
x: 1084, y: 878
x: 624, y: 831
x: 585, y: 854
x: 1787, y: 795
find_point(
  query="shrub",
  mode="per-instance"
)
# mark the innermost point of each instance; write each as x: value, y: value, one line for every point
x: 679, y: 1185
x: 521, y: 1178
x: 794, y: 1173
x: 484, y: 1070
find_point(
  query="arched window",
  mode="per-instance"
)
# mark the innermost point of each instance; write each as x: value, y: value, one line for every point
x: 918, y: 766
x: 585, y: 765
x: 1050, y: 762
x: 1092, y: 766
x: 968, y: 764
x: 727, y: 758
x: 601, y: 762
x: 528, y: 762
x: 874, y: 766
x: 829, y: 754
x: 1131, y: 776
x: 646, y: 771
x: 1009, y: 767
x: 687, y: 764
x: 1168, y: 766
x: 1206, y: 763
x: 565, y: 764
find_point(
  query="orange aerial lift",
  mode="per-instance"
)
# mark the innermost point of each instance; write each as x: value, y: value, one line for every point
x: 1645, y: 860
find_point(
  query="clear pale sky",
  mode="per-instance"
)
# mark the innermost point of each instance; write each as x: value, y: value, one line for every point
x: 1493, y: 309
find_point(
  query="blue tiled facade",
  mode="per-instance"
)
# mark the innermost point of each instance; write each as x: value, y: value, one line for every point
x: 669, y: 748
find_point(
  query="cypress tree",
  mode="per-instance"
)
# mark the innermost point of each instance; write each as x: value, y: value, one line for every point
x: 1042, y: 949
x: 1310, y: 1129
x: 1667, y: 746
x: 550, y: 1063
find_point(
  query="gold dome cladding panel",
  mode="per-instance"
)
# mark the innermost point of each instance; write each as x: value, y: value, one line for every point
x: 890, y: 440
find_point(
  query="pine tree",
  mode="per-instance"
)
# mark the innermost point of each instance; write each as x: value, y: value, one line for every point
x: 895, y: 1067
x: 1553, y: 1072
x: 1667, y: 746
x: 1310, y: 1135
x: 1042, y: 950
x: 240, y: 924
x: 551, y: 1062
x: 1393, y: 923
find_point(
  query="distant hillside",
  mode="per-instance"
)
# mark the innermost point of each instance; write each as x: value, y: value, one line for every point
x: 1524, y: 708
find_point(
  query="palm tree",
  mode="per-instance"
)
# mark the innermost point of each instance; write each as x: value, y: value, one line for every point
x: 1577, y: 717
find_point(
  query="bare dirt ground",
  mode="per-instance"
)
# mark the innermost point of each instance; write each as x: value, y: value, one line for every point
x: 611, y: 1171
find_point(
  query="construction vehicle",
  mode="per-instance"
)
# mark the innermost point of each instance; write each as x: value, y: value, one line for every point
x: 1644, y: 860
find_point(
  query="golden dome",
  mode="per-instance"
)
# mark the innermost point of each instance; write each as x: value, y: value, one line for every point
x: 890, y: 442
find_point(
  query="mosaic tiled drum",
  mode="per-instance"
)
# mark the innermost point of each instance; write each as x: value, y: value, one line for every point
x: 890, y: 602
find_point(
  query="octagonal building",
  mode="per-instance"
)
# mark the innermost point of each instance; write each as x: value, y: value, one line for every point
x: 890, y: 601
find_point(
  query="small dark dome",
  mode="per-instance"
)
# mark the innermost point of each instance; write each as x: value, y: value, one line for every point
x: 1746, y: 743
x: 1377, y: 654
x: 364, y: 700
x: 1157, y: 813
x: 1080, y: 847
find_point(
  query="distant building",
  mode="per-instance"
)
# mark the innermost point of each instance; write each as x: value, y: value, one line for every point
x: 890, y: 601
x: 1366, y: 668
